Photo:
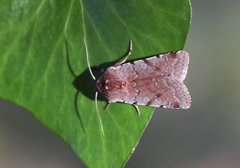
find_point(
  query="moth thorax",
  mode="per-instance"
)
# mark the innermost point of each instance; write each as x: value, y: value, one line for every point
x: 104, y: 85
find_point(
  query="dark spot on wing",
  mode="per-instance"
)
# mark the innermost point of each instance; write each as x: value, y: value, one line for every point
x: 149, y: 102
x: 147, y: 62
x: 173, y: 55
x: 176, y: 105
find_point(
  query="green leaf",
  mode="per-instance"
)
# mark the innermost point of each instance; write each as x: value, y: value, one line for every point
x: 42, y: 41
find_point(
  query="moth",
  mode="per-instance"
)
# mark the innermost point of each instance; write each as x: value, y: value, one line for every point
x: 156, y: 81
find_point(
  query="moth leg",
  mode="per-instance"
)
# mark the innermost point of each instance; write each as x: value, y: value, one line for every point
x: 137, y: 108
x: 128, y: 53
x: 107, y: 105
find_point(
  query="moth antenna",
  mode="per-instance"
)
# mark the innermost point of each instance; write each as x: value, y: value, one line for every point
x: 88, y: 62
x: 98, y: 115
x: 96, y: 93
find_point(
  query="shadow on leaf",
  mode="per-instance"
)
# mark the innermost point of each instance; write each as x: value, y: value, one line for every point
x: 84, y: 83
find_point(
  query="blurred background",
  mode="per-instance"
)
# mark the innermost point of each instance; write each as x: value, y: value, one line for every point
x: 206, y: 136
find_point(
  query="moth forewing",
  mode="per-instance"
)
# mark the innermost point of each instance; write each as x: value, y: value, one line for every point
x: 155, y: 81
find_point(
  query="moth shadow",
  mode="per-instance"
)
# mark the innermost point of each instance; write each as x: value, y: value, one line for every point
x: 85, y: 84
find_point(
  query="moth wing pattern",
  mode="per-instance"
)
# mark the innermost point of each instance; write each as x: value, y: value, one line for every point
x: 162, y: 79
x: 181, y: 65
x: 173, y: 64
x: 170, y: 93
x: 155, y: 81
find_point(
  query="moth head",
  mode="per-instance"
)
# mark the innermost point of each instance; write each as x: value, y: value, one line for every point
x: 100, y: 84
x: 103, y: 84
x: 109, y: 82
